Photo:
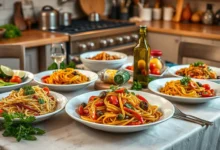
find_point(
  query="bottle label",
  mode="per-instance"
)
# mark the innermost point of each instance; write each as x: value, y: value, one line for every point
x: 109, y: 76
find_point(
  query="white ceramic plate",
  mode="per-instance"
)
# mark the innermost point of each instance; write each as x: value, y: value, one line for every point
x: 165, y: 106
x: 98, y: 65
x: 155, y: 86
x: 28, y: 78
x: 69, y: 87
x: 153, y: 75
x: 172, y: 71
x: 61, y: 102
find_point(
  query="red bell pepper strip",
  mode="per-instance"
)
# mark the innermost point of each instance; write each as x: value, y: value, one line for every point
x: 136, y: 115
x: 113, y: 100
x: 27, y: 107
x: 141, y: 98
x: 99, y: 104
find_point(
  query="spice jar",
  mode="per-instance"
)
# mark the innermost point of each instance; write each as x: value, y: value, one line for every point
x: 112, y: 76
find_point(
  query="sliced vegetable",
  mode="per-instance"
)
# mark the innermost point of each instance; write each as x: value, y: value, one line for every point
x: 141, y: 98
x: 113, y: 100
x: 16, y: 79
x: 121, y: 90
x: 6, y: 71
x: 21, y: 74
x: 99, y: 104
x: 136, y: 115
x: 134, y: 123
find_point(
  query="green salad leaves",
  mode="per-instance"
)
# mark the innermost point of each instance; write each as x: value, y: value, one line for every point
x: 11, y: 31
x: 63, y: 65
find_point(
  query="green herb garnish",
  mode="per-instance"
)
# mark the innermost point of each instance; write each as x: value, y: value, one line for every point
x: 113, y: 88
x: 41, y: 101
x: 185, y: 80
x: 199, y: 63
x: 136, y: 86
x: 28, y: 90
x: 129, y: 106
x: 120, y: 117
x: 21, y: 129
x: 63, y: 65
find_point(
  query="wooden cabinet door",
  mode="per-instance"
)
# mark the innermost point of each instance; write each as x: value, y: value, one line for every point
x: 168, y: 44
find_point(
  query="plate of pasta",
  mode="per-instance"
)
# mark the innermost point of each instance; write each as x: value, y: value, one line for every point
x: 32, y: 101
x: 119, y: 110
x: 68, y: 79
x: 185, y: 90
x: 197, y: 70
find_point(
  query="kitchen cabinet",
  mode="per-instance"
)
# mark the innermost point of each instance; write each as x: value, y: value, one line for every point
x: 168, y: 44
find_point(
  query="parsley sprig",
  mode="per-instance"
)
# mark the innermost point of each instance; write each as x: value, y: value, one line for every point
x: 199, y: 63
x: 21, y: 129
x: 185, y: 80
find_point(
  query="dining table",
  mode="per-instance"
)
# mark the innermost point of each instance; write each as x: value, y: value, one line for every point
x: 64, y: 133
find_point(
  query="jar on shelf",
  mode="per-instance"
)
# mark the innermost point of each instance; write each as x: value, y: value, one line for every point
x: 156, y: 63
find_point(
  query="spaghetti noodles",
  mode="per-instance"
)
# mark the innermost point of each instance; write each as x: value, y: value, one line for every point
x: 31, y: 101
x: 198, y: 70
x: 65, y: 76
x: 187, y: 88
x: 119, y: 107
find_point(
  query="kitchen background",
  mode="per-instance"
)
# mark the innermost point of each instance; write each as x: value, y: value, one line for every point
x: 7, y: 6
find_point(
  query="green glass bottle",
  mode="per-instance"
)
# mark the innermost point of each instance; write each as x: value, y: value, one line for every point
x: 142, y: 58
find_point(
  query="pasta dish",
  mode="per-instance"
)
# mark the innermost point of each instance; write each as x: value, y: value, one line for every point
x: 187, y: 88
x: 119, y: 107
x: 104, y: 56
x: 65, y: 76
x: 197, y: 70
x: 29, y: 100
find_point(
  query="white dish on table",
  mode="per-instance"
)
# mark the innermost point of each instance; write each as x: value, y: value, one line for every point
x: 66, y: 87
x: 164, y: 105
x: 153, y: 75
x: 98, y: 65
x: 155, y: 86
x: 174, y: 69
x: 27, y: 79
x: 61, y: 102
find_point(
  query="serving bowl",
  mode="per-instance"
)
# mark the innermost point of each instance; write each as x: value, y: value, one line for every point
x: 98, y: 65
x: 155, y: 86
x: 28, y: 78
x: 65, y: 87
x: 164, y: 105
x: 61, y: 102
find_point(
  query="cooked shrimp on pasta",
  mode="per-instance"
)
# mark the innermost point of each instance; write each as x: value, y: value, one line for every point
x: 65, y: 76
x: 187, y: 88
x: 198, y: 70
x: 119, y: 107
x: 29, y: 100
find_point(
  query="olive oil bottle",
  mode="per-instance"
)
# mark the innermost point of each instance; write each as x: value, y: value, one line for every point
x: 142, y: 58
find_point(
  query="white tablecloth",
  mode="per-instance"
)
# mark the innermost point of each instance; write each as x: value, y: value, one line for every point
x: 63, y: 133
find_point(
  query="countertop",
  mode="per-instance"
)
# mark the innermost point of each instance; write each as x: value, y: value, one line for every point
x: 184, y: 29
x: 34, y: 38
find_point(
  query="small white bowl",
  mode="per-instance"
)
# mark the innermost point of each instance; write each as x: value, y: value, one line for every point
x: 61, y: 102
x: 98, y: 65
x: 164, y: 105
x: 155, y: 86
x: 68, y: 87
x: 28, y: 78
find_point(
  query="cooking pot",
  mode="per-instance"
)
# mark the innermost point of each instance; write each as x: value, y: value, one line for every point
x: 49, y: 18
x: 66, y: 19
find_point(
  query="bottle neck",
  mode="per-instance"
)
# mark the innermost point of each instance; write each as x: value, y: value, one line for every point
x: 142, y: 39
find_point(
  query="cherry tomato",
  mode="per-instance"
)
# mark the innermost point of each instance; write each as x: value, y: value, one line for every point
x: 121, y: 90
x: 144, y: 72
x: 46, y: 89
x: 92, y: 98
x: 206, y: 86
x: 152, y: 66
x: 85, y: 111
x: 155, y: 71
x: 16, y: 79
x: 113, y: 100
x: 1, y: 111
x: 130, y: 68
x: 80, y: 110
x: 207, y: 94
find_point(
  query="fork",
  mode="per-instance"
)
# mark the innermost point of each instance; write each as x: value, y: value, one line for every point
x: 182, y: 115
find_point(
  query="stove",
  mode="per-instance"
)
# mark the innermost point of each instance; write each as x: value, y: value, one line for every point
x: 104, y: 35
